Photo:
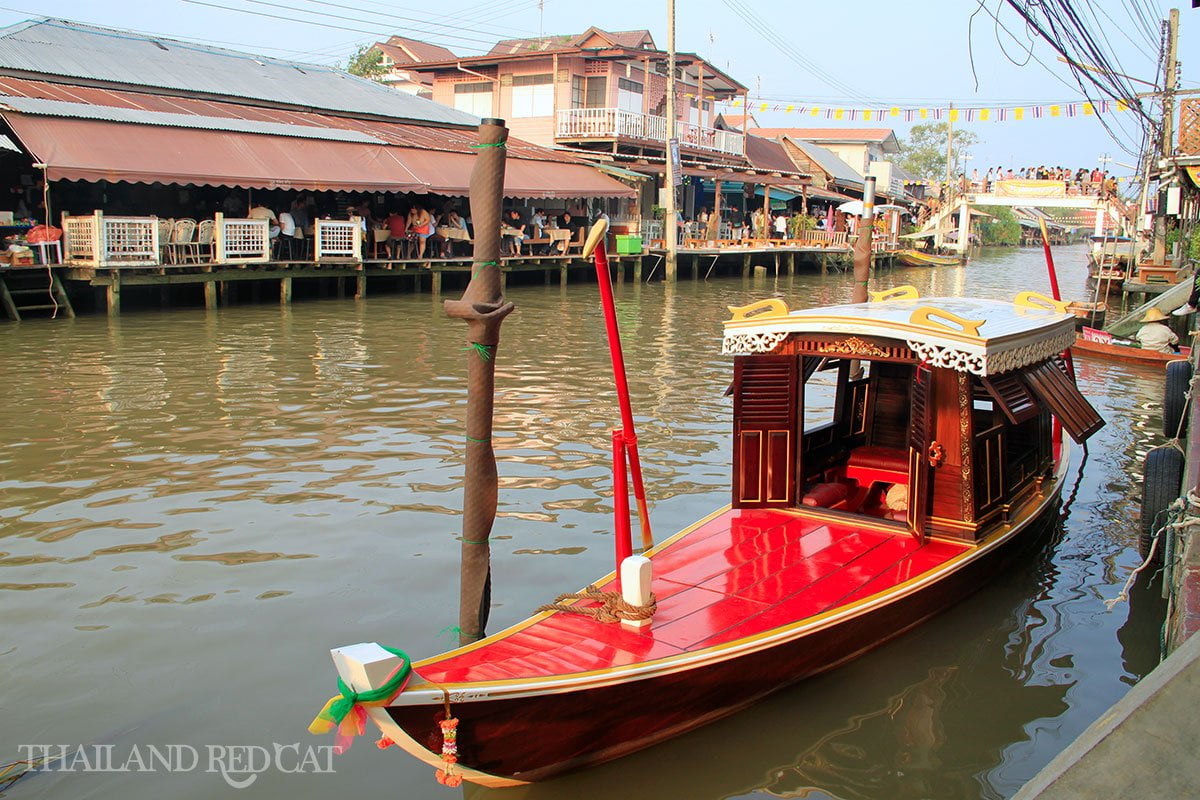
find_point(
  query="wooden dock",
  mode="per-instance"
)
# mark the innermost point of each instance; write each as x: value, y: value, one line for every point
x: 224, y: 284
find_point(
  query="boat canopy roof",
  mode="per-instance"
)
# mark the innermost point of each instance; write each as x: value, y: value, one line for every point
x: 982, y: 337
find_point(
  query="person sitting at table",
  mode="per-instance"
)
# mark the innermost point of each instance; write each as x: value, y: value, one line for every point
x: 397, y: 225
x: 570, y: 223
x: 1155, y: 335
x: 420, y: 227
x: 538, y: 223
x: 262, y: 212
x: 514, y: 232
x: 454, y: 222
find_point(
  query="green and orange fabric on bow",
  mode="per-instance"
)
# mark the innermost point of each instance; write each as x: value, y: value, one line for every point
x: 346, y: 712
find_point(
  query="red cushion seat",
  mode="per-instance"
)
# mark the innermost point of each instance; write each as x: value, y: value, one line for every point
x: 825, y: 495
x: 882, y: 458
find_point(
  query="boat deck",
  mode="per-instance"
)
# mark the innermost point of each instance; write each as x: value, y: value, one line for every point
x: 740, y: 573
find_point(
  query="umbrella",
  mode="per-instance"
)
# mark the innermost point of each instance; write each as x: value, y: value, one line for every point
x: 855, y: 207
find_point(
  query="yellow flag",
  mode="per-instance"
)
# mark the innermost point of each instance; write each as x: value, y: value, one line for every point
x: 790, y: 109
x: 737, y: 102
x: 1088, y: 110
x: 924, y: 113
x: 815, y: 111
x: 1055, y: 111
x: 1122, y: 105
x: 984, y: 113
x: 866, y: 114
x: 895, y: 112
x: 763, y: 107
x: 841, y: 112
x: 954, y: 115
x: 1018, y: 113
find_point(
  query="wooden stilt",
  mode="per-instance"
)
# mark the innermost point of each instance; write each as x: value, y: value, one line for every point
x: 340, y: 285
x: 637, y: 269
x: 696, y: 268
x: 792, y: 263
x: 436, y: 288
x: 225, y: 288
x: 360, y: 289
x: 10, y: 308
x: 503, y: 279
x: 745, y: 265
x: 210, y: 294
x: 285, y: 290
x: 562, y: 275
x: 114, y: 295
x: 164, y: 296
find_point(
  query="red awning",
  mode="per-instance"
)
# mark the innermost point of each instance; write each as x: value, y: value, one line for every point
x: 450, y: 173
x: 95, y: 150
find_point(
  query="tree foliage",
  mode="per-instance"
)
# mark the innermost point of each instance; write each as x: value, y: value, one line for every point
x: 1004, y: 230
x: 367, y: 62
x: 923, y: 153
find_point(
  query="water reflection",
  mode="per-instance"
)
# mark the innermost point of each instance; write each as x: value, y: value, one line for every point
x: 164, y: 474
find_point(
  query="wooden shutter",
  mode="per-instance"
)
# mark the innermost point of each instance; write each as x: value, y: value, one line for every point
x: 765, y: 410
x: 1012, y: 396
x: 920, y: 432
x: 1052, y: 385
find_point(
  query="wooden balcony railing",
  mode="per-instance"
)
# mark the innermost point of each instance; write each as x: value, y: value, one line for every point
x: 616, y: 123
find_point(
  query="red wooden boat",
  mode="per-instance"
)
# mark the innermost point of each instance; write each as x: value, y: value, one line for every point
x: 818, y: 558
x: 1098, y: 344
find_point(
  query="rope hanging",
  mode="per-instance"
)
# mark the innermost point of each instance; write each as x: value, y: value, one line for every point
x: 612, y: 607
x: 1179, y: 520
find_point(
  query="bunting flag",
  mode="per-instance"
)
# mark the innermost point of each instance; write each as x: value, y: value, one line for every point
x: 953, y: 114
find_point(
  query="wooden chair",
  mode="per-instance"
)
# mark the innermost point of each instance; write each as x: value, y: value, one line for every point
x: 380, y: 237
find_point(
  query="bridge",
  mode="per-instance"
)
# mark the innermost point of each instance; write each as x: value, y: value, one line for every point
x: 1111, y: 213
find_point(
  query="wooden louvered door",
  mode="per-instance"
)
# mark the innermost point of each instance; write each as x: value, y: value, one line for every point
x: 920, y: 466
x: 765, y: 412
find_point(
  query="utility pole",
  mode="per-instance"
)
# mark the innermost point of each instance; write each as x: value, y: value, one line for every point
x: 949, y: 151
x: 1168, y: 129
x: 670, y: 223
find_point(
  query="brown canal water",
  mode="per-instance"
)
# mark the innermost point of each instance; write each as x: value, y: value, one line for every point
x: 196, y: 507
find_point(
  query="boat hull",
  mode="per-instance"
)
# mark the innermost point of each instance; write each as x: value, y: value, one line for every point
x: 1126, y: 354
x: 534, y: 736
x: 912, y: 258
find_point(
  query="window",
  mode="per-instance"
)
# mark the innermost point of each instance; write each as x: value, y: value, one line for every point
x: 629, y: 95
x: 474, y: 98
x: 532, y: 95
x: 588, y: 92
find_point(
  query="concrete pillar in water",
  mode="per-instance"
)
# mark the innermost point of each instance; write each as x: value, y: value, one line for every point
x: 210, y: 294
x: 637, y: 269
x: 360, y: 288
x: 225, y: 290
x: 113, y: 295
x: 696, y: 268
x: 562, y: 275
x: 745, y: 265
x: 436, y: 286
x: 285, y: 290
x: 964, y: 227
x: 503, y: 280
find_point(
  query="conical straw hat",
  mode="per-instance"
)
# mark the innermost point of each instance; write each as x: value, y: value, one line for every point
x: 1154, y: 315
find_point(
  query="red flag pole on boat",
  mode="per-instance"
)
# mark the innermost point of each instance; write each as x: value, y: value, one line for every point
x: 1054, y: 284
x: 595, y: 246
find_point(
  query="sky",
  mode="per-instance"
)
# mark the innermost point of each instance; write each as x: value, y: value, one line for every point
x: 926, y: 53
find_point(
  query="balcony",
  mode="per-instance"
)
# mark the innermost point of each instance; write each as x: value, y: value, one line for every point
x: 615, y: 123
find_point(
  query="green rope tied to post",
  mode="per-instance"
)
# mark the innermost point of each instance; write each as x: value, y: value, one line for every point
x: 483, y: 264
x: 473, y: 541
x: 349, y: 703
x: 484, y: 351
x: 477, y: 441
x: 490, y: 144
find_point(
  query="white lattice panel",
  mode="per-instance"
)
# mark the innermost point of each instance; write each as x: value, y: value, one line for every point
x: 79, y: 234
x: 245, y: 239
x: 335, y: 239
x: 130, y: 240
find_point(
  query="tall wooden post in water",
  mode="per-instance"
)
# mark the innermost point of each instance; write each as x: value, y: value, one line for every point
x: 862, y: 247
x: 483, y: 307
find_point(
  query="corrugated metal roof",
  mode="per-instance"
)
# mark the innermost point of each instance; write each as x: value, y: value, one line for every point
x: 68, y: 49
x: 838, y: 170
x: 398, y: 132
x: 59, y: 108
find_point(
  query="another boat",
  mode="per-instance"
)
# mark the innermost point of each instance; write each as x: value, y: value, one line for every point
x: 1099, y: 344
x: 861, y: 506
x: 915, y: 258
x: 1089, y: 315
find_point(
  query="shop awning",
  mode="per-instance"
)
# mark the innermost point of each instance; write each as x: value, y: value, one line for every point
x: 95, y: 150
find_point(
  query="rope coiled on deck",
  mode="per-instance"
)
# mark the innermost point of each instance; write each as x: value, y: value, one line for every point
x: 612, y: 608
